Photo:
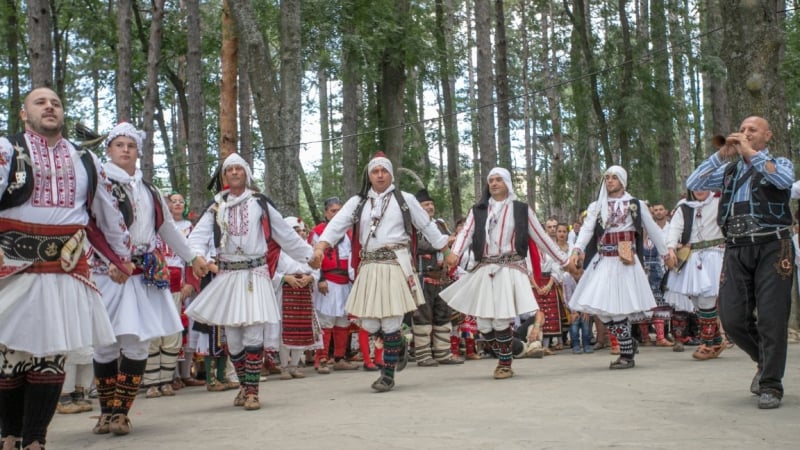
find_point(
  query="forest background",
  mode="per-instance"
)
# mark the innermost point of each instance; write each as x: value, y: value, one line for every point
x: 307, y: 90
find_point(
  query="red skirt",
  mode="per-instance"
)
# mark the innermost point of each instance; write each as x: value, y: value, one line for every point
x: 298, y: 317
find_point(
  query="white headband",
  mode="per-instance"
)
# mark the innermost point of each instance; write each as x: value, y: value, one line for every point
x: 506, y: 176
x: 128, y: 130
x: 235, y: 160
x: 381, y: 161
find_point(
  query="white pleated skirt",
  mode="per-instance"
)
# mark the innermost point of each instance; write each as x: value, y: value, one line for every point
x: 382, y: 290
x: 49, y: 314
x: 333, y: 303
x: 492, y: 291
x: 610, y: 288
x: 679, y: 302
x: 229, y: 300
x: 139, y: 310
x: 700, y: 275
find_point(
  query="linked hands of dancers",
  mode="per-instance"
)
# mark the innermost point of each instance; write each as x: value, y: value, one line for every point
x: 119, y: 276
x: 450, y: 259
x: 200, y: 267
x: 670, y: 259
x: 319, y: 253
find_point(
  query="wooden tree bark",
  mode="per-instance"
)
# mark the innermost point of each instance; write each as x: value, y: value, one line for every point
x: 151, y: 91
x: 228, y: 86
x: 198, y: 168
x: 752, y: 50
x: 528, y: 112
x: 577, y: 15
x: 549, y: 65
x: 351, y: 172
x: 392, y: 90
x: 477, y: 178
x: 245, y: 110
x: 625, y: 86
x: 262, y: 81
x: 124, y: 58
x: 665, y: 140
x: 501, y: 84
x: 283, y: 184
x: 40, y: 43
x: 327, y: 169
x: 443, y: 35
x: 12, y: 41
x: 676, y: 36
x: 486, y: 130
x: 714, y: 76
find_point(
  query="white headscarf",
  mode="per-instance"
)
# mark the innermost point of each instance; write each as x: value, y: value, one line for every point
x: 506, y: 176
x: 380, y: 161
x: 235, y: 160
x: 602, y: 199
x: 295, y: 222
x: 128, y: 130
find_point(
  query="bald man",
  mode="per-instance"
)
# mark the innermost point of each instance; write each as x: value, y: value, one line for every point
x: 756, y: 219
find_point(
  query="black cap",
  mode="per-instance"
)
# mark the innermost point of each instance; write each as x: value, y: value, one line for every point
x: 423, y: 196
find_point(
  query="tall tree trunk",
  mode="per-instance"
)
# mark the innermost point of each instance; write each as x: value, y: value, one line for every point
x: 752, y: 50
x: 676, y: 37
x: 327, y: 169
x: 245, y: 111
x: 260, y: 70
x: 392, y: 91
x: 527, y: 109
x: 549, y: 65
x: 350, y: 85
x: 486, y: 130
x: 443, y: 34
x: 12, y: 41
x: 61, y: 49
x: 477, y: 177
x: 714, y: 75
x: 584, y: 29
x: 151, y: 92
x: 124, y: 58
x: 665, y: 140
x: 501, y: 83
x: 195, y: 131
x: 40, y: 43
x: 625, y: 86
x: 228, y: 88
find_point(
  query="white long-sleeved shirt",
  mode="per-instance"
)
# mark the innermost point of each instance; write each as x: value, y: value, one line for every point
x: 502, y: 237
x: 704, y: 224
x: 391, y: 229
x: 624, y: 224
x: 61, y: 191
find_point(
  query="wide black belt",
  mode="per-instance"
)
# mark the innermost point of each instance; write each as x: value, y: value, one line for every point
x: 32, y: 247
x: 242, y: 265
x: 759, y: 238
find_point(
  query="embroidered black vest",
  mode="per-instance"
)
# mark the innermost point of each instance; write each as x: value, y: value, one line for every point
x: 591, y: 248
x: 481, y: 211
x: 769, y: 205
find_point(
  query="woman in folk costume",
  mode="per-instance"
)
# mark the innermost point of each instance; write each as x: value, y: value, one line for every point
x: 247, y: 232
x: 299, y: 328
x: 385, y: 288
x: 614, y: 285
x: 695, y: 285
x: 141, y: 309
x: 498, y: 230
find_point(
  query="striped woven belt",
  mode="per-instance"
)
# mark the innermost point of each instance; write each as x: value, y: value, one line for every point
x: 242, y: 265
x: 707, y: 244
x: 612, y: 249
x: 502, y: 259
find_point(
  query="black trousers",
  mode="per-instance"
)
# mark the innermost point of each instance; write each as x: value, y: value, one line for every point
x: 755, y: 298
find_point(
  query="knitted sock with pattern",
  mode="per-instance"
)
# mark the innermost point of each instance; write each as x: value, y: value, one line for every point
x: 680, y: 320
x: 658, y: 324
x: 622, y: 331
x: 129, y: 378
x: 341, y: 335
x: 322, y: 353
x: 252, y: 369
x: 392, y: 347
x: 42, y: 390
x: 239, y: 365
x: 709, y: 326
x: 502, y: 346
x: 221, y: 362
x: 105, y: 378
